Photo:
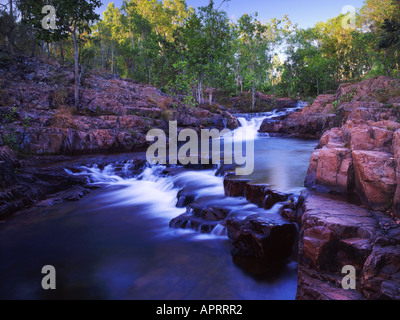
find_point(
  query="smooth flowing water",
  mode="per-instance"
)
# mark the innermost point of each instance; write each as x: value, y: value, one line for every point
x: 116, y: 242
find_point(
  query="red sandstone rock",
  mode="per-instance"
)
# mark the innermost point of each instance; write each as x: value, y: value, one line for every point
x: 375, y: 178
x: 309, y: 123
x: 335, y: 233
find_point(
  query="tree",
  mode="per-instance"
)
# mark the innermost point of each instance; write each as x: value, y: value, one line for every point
x: 74, y: 17
x: 253, y: 52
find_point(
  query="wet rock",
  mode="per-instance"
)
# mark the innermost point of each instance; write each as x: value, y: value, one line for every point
x: 255, y: 193
x: 189, y: 221
x: 8, y: 165
x: 235, y: 187
x: 33, y: 185
x: 184, y: 198
x: 261, y: 243
x: 273, y: 197
x: 232, y: 225
x: 215, y: 213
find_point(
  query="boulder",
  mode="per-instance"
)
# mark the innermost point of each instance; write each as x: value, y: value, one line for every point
x: 262, y: 243
x: 396, y: 149
x: 335, y: 170
x: 375, y: 178
x: 235, y: 187
x: 8, y: 164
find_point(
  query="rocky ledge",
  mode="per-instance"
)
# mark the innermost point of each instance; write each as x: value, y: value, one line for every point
x: 38, y: 116
x: 357, y: 159
x: 25, y: 184
x: 335, y: 233
x: 352, y: 215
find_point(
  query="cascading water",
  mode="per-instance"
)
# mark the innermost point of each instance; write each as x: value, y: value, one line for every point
x: 115, y: 243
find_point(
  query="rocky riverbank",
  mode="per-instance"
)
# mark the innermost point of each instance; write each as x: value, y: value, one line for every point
x: 38, y: 116
x: 357, y: 160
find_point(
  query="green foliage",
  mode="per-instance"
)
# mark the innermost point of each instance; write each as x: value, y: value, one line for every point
x: 195, y: 53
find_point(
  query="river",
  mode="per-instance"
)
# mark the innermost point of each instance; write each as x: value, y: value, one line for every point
x: 116, y: 242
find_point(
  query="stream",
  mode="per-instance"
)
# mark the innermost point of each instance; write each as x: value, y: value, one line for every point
x: 116, y: 243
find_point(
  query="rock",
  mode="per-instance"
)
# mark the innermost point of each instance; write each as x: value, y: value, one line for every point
x: 332, y: 139
x: 255, y: 193
x: 369, y: 138
x: 311, y: 176
x: 115, y: 114
x: 335, y: 170
x: 190, y: 221
x: 235, y: 187
x: 262, y: 243
x: 8, y: 164
x: 232, y: 224
x: 215, y: 213
x: 273, y: 197
x: 375, y: 178
x: 396, y: 149
x: 313, y: 286
x: 184, y: 198
x: 33, y: 185
x: 231, y: 121
x: 335, y: 233
x: 381, y: 274
x: 309, y: 123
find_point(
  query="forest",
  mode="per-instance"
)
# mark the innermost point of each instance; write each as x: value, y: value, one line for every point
x: 201, y: 54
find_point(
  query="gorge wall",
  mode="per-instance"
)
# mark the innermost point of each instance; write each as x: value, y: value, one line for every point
x: 352, y: 215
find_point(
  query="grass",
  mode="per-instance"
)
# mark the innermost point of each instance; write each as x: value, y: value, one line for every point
x: 161, y: 102
x: 60, y: 97
x: 384, y: 95
x: 63, y: 118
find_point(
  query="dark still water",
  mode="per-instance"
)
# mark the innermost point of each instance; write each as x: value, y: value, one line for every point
x: 116, y: 242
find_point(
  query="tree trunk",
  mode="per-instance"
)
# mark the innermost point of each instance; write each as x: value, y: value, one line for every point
x: 102, y: 54
x: 32, y: 43
x: 210, y: 96
x: 112, y: 60
x: 61, y: 51
x: 253, y: 98
x: 149, y: 75
x: 76, y: 56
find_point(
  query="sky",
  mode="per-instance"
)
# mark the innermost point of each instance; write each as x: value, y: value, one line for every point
x: 304, y: 12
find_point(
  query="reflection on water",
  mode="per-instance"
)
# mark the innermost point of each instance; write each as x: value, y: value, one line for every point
x: 116, y: 244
